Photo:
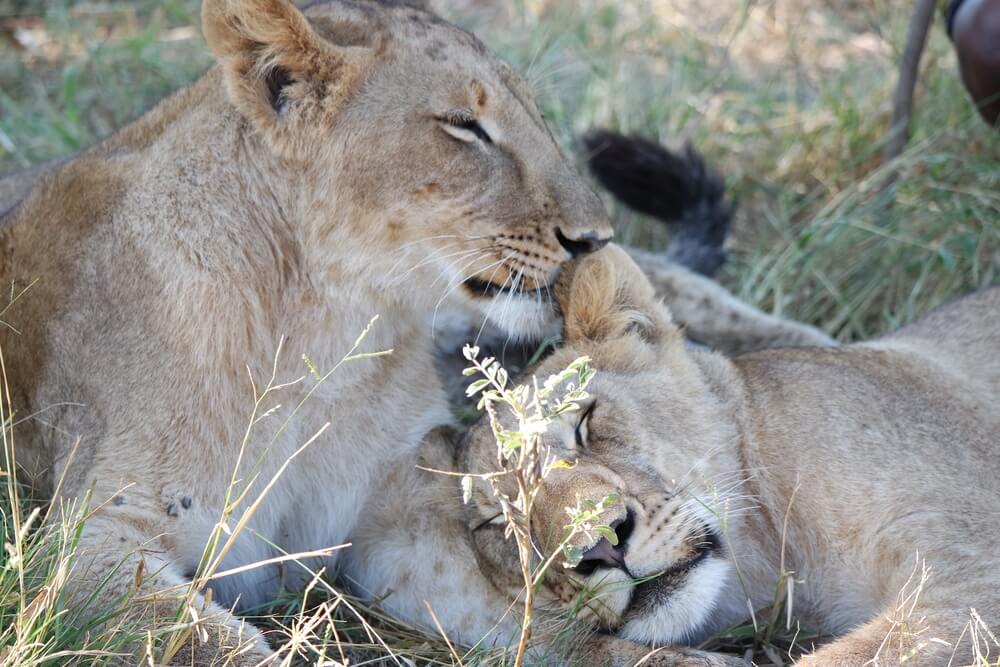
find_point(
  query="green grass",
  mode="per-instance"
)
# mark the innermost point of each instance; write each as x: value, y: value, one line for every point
x: 789, y: 100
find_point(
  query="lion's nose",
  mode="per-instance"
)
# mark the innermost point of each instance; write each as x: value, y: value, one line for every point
x: 583, y: 244
x: 605, y: 554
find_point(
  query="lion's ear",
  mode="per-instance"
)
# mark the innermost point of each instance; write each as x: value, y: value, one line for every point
x: 273, y: 58
x: 605, y: 297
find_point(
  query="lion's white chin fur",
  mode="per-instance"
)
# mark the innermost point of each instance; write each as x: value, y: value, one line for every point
x: 681, y: 617
x: 522, y: 318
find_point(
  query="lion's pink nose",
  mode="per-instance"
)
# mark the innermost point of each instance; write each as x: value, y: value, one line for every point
x: 605, y: 554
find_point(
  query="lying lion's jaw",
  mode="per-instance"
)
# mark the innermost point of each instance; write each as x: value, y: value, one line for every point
x: 674, y: 607
x: 669, y: 605
x: 676, y: 599
x: 675, y: 611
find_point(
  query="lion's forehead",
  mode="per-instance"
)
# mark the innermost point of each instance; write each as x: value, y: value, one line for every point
x: 403, y: 24
x: 412, y: 31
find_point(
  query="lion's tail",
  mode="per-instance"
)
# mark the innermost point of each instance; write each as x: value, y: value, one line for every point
x: 675, y: 187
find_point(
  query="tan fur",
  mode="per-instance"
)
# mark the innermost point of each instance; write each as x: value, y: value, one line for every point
x: 167, y: 261
x: 857, y: 469
x: 867, y: 463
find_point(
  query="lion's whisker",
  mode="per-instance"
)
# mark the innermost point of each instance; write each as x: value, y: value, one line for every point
x: 462, y: 278
x: 515, y: 288
x: 493, y: 302
x: 450, y: 273
x: 433, y: 257
x: 406, y: 245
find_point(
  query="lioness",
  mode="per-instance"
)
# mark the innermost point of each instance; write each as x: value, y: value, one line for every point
x: 848, y: 469
x: 353, y: 160
x: 348, y: 160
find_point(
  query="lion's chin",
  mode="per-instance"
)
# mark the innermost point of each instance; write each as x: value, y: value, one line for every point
x: 522, y: 318
x: 682, y: 615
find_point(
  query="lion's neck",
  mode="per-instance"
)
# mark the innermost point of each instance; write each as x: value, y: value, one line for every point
x: 754, y: 536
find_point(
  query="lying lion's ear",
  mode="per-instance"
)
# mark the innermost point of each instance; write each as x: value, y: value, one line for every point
x: 273, y: 58
x: 605, y: 296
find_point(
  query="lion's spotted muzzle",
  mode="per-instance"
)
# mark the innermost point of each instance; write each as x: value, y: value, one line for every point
x: 655, y: 591
x: 529, y: 282
x: 651, y: 591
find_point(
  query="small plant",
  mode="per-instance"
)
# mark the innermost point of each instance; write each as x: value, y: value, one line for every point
x: 523, y: 456
x: 585, y: 519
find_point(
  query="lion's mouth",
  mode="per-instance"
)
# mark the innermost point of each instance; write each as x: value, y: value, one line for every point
x: 655, y: 592
x: 488, y: 290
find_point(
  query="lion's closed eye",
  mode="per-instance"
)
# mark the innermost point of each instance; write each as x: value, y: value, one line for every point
x: 462, y: 125
x: 582, y: 431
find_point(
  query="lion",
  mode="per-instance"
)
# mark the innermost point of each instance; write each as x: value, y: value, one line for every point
x: 351, y: 160
x: 865, y: 473
x: 347, y: 160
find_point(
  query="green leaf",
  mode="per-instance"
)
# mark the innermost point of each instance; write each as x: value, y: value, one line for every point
x: 476, y: 387
x: 573, y: 555
x: 609, y: 500
x: 607, y: 534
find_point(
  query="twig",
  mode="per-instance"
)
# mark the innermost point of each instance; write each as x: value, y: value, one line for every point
x: 437, y: 624
x: 909, y: 66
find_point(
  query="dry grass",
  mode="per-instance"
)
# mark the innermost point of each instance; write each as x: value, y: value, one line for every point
x: 790, y: 99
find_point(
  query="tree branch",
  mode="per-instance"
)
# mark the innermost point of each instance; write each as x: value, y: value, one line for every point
x: 909, y: 66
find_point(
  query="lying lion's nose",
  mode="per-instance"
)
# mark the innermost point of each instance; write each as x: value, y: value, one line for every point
x: 605, y: 554
x: 583, y: 244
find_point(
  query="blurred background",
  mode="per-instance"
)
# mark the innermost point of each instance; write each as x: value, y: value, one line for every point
x: 790, y: 99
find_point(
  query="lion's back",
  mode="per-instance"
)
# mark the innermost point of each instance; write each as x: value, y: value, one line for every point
x: 961, y: 337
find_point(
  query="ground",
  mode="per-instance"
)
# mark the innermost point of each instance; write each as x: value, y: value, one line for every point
x: 788, y: 98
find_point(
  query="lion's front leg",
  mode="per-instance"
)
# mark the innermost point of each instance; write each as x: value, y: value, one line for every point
x: 919, y: 637
x: 122, y: 572
x: 413, y: 552
x: 713, y: 316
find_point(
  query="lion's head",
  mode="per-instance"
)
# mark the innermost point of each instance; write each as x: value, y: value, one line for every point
x: 408, y: 140
x: 652, y: 435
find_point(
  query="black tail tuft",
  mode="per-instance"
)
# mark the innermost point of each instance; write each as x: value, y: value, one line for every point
x: 677, y: 188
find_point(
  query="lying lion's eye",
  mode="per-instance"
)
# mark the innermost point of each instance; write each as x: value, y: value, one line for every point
x: 583, y: 426
x: 463, y: 126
